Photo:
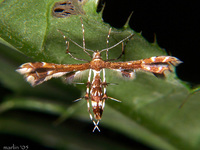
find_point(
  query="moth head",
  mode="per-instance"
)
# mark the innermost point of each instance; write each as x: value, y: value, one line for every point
x: 96, y: 55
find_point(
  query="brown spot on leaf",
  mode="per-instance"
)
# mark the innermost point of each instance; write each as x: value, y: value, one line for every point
x: 67, y: 8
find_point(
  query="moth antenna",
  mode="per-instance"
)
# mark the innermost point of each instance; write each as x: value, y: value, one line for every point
x: 123, y: 50
x: 83, y: 30
x: 128, y: 37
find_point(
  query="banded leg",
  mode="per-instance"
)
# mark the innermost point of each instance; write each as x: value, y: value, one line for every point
x: 123, y: 48
x: 104, y: 87
x: 96, y: 126
x: 107, y: 42
x: 67, y: 48
x: 105, y: 95
x: 83, y: 30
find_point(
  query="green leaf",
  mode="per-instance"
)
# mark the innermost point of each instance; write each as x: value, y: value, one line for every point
x: 149, y: 111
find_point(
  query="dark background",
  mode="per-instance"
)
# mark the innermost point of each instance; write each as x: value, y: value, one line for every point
x: 175, y: 24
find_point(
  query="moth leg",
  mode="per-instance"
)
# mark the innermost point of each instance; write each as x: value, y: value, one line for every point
x: 96, y: 126
x: 67, y: 48
x: 104, y: 84
x: 76, y: 100
x: 83, y: 30
x: 107, y: 42
x: 123, y: 48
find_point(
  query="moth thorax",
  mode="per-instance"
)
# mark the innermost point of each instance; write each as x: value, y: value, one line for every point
x: 97, y: 109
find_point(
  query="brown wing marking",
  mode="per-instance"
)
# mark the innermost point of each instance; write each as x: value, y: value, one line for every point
x: 156, y: 64
x: 126, y: 73
x: 38, y: 72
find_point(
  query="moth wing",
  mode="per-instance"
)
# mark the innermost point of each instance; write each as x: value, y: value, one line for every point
x: 73, y: 77
x: 126, y: 73
x: 38, y: 72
